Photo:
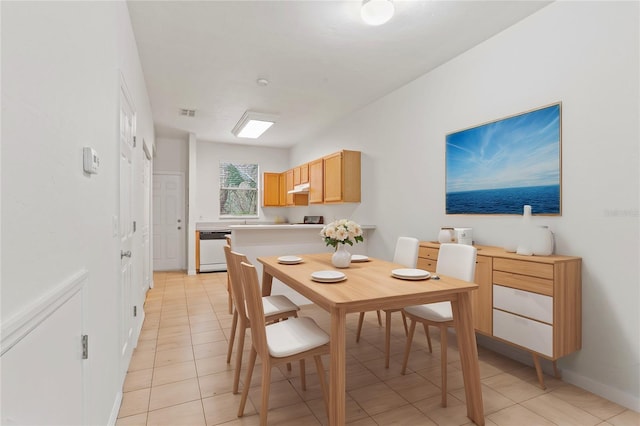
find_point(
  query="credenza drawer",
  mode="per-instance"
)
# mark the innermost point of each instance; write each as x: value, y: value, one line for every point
x: 427, y: 264
x: 524, y: 303
x: 428, y: 253
x: 524, y: 282
x: 527, y: 333
x: 534, y: 269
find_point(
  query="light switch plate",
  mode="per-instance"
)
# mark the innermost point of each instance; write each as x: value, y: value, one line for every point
x: 90, y: 161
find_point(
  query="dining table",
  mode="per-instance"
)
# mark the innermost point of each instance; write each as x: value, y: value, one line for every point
x: 370, y: 286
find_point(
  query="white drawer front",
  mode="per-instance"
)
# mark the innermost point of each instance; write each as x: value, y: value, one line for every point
x: 530, y: 334
x: 525, y: 303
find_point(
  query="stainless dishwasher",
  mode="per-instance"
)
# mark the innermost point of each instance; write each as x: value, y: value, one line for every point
x: 212, y: 250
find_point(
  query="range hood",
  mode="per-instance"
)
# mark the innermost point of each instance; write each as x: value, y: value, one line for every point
x: 300, y: 189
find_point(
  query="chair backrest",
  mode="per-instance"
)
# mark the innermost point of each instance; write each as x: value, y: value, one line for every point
x: 458, y: 261
x: 235, y: 278
x: 255, y: 308
x: 406, y: 252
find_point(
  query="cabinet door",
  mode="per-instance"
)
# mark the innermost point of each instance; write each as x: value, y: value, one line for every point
x: 333, y: 174
x: 271, y: 189
x: 316, y: 182
x: 296, y: 175
x: 289, y: 186
x: 304, y: 173
x: 481, y: 300
x: 282, y: 193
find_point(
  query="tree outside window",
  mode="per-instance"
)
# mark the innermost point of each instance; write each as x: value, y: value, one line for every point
x: 238, y: 190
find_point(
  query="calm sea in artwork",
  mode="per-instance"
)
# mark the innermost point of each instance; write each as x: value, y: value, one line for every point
x: 542, y: 199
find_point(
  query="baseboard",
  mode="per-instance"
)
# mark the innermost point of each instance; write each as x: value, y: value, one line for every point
x: 115, y: 409
x: 612, y: 394
x: 605, y: 391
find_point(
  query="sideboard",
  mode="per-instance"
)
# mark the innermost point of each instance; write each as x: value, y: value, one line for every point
x: 531, y: 302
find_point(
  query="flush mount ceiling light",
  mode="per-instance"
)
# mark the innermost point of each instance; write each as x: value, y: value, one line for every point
x: 253, y: 124
x: 376, y: 12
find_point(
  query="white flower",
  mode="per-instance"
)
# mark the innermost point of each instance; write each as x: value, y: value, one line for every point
x: 342, y: 231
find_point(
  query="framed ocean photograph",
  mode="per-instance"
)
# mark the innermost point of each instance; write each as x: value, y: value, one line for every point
x: 500, y: 166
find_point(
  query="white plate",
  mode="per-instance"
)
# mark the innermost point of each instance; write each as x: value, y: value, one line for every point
x: 359, y: 258
x: 289, y: 260
x: 411, y: 274
x: 328, y: 276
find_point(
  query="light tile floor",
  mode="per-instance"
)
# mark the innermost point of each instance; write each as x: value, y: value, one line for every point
x: 179, y: 375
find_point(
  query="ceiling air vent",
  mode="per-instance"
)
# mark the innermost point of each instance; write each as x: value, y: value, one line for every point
x: 188, y: 112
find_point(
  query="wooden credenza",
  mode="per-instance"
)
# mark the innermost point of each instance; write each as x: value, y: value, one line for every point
x: 530, y: 302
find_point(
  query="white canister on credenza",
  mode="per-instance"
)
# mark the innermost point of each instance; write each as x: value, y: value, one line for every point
x: 445, y: 235
x: 464, y: 236
x: 525, y: 233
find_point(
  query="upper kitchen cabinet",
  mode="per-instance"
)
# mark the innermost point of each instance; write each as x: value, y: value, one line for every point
x: 301, y: 174
x: 316, y: 181
x: 294, y: 199
x: 271, y: 190
x: 342, y: 177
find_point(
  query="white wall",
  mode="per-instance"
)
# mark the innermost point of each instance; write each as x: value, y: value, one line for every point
x: 62, y: 64
x: 584, y: 54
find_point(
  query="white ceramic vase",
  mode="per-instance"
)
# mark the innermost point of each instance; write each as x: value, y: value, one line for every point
x: 341, y: 258
x: 525, y: 235
x: 542, y: 241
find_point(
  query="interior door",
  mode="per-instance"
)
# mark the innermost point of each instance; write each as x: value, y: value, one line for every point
x: 168, y: 222
x: 147, y: 282
x: 127, y: 133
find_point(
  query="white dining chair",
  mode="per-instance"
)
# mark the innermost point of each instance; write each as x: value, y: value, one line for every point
x: 275, y: 308
x: 282, y: 342
x: 457, y: 261
x: 406, y: 254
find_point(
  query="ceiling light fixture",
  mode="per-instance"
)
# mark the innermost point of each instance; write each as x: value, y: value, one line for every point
x: 376, y: 12
x: 253, y: 124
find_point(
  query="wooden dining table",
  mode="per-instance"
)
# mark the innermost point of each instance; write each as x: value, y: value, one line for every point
x: 369, y: 286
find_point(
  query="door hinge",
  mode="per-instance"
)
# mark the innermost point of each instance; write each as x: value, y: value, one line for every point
x: 134, y: 141
x: 134, y: 226
x: 85, y: 346
x: 135, y: 311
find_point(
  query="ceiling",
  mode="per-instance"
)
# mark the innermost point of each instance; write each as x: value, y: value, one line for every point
x: 322, y: 62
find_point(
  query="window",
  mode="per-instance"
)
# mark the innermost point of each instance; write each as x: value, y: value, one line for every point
x: 238, y: 190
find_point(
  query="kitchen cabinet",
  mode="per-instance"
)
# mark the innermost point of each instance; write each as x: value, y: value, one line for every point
x: 533, y: 303
x: 294, y: 199
x: 282, y: 193
x: 316, y: 181
x: 301, y: 174
x: 342, y: 177
x: 271, y: 190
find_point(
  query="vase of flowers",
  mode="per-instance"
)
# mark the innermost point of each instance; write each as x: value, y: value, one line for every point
x: 339, y: 233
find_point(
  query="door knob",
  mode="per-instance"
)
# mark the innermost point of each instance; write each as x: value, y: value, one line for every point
x: 125, y: 254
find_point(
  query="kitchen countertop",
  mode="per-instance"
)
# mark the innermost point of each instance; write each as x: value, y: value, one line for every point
x: 285, y: 226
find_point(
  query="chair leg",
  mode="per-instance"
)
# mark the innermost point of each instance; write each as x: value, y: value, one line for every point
x: 245, y: 390
x: 404, y: 321
x: 360, y: 321
x: 303, y: 375
x: 266, y: 385
x: 323, y: 382
x: 443, y: 361
x: 230, y: 296
x: 387, y: 338
x: 407, y: 349
x: 239, y: 351
x: 426, y: 331
x: 379, y: 318
x: 234, y: 325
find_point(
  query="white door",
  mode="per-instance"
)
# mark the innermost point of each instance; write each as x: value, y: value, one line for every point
x: 168, y: 222
x: 127, y: 133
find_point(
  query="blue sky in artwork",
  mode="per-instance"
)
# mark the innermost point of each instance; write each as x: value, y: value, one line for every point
x: 515, y: 152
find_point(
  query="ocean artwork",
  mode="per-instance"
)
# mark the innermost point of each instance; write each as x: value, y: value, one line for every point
x: 498, y: 167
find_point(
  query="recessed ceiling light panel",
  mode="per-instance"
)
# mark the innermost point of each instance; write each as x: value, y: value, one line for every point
x: 253, y: 124
x: 376, y: 12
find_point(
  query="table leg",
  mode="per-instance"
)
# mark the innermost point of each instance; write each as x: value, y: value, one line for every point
x: 267, y: 281
x: 337, y: 368
x: 463, y: 321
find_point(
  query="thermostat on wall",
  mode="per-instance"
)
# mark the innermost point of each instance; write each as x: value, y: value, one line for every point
x: 91, y: 161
